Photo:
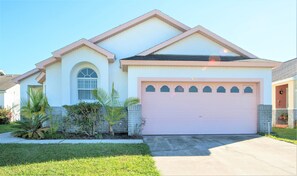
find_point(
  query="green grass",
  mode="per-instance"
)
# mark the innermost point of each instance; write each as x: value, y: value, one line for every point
x: 7, y: 128
x: 76, y: 159
x: 284, y: 134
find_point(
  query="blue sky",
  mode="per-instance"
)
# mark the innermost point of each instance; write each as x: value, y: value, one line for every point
x: 31, y: 29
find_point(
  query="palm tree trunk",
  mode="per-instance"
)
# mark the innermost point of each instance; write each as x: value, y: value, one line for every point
x: 111, y: 130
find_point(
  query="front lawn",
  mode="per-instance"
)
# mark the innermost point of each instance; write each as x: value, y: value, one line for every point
x: 285, y: 134
x: 76, y: 159
x: 7, y: 128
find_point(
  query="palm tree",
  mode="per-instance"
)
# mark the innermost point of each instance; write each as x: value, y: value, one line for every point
x: 114, y: 110
x: 35, y: 105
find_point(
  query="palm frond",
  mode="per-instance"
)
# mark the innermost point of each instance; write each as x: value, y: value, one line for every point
x: 131, y: 101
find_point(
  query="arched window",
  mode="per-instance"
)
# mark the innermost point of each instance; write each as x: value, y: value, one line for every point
x: 150, y: 88
x: 193, y: 89
x: 86, y: 82
x: 207, y: 89
x: 165, y: 89
x: 179, y: 89
x: 248, y: 90
x: 234, y: 89
x: 221, y: 89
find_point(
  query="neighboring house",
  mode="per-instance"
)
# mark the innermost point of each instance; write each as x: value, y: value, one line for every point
x: 189, y: 80
x: 284, y: 93
x: 10, y: 94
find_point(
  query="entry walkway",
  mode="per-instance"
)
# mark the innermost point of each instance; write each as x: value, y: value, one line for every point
x: 7, y: 138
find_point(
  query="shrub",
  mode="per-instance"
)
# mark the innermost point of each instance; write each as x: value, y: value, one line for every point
x: 85, y: 115
x: 114, y: 110
x: 31, y: 127
x: 5, y: 115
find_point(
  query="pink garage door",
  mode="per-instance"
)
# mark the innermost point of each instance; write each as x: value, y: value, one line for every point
x: 199, y: 108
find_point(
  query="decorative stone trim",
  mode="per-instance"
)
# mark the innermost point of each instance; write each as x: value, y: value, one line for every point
x: 264, y: 118
x: 134, y: 120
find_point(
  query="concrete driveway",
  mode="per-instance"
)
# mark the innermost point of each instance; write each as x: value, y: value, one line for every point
x: 222, y: 155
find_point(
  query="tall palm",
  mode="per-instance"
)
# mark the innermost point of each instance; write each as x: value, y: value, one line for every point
x: 114, y: 109
x: 36, y: 104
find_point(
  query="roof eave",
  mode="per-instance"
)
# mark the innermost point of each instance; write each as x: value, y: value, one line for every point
x: 126, y: 63
x: 154, y: 13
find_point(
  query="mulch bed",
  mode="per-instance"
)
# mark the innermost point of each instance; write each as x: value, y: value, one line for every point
x: 60, y: 135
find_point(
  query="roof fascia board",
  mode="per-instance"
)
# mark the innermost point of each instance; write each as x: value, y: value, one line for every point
x: 126, y: 63
x: 203, y: 31
x: 26, y: 75
x: 154, y: 13
x: 58, y: 53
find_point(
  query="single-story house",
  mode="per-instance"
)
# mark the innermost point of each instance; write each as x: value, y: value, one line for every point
x: 284, y: 94
x: 188, y: 80
x: 10, y: 94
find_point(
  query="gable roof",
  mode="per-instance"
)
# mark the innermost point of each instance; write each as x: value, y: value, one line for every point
x: 205, y: 32
x: 154, y: 13
x: 82, y: 42
x: 6, y: 82
x: 26, y: 75
x: 286, y: 70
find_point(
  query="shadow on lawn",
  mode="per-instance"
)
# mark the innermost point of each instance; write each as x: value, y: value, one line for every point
x: 191, y: 145
x: 19, y: 154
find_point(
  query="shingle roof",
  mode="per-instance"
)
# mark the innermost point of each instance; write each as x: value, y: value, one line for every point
x: 6, y: 82
x: 166, y: 57
x: 285, y: 70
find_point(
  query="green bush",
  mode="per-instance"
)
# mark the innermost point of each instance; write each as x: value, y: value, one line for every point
x: 5, y: 116
x: 85, y: 115
x: 33, y: 114
x: 31, y: 127
x: 114, y: 109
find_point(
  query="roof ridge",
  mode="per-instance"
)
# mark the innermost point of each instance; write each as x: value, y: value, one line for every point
x: 154, y: 13
x: 206, y: 33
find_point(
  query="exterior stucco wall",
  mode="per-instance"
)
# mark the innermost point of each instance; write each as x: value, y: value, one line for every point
x: 292, y: 101
x: 196, y: 44
x: 12, y: 100
x: 131, y: 42
x: 53, y: 84
x: 136, y: 72
x: 71, y: 65
x: 2, y: 99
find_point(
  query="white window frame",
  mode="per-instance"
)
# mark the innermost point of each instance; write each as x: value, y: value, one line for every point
x: 84, y: 88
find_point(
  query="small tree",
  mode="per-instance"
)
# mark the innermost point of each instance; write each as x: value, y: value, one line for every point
x: 35, y: 105
x: 114, y: 110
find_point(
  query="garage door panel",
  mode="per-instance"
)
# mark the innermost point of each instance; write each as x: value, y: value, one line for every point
x: 199, y: 112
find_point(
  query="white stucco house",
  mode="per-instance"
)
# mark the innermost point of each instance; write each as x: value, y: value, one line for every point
x: 10, y: 94
x: 189, y: 80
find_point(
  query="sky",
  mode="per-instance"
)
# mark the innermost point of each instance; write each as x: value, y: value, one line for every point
x: 30, y: 30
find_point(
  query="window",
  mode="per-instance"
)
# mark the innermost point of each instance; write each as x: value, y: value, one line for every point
x: 150, y: 88
x: 234, y: 89
x: 86, y: 82
x: 248, y: 90
x: 193, y: 89
x: 165, y: 89
x: 179, y: 89
x: 207, y: 89
x: 221, y: 89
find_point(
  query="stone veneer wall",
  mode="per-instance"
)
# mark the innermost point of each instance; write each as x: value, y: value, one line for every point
x: 264, y: 118
x: 134, y: 120
x: 122, y: 127
x: 292, y: 118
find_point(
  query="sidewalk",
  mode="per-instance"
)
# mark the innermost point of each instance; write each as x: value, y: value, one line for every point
x: 7, y: 138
